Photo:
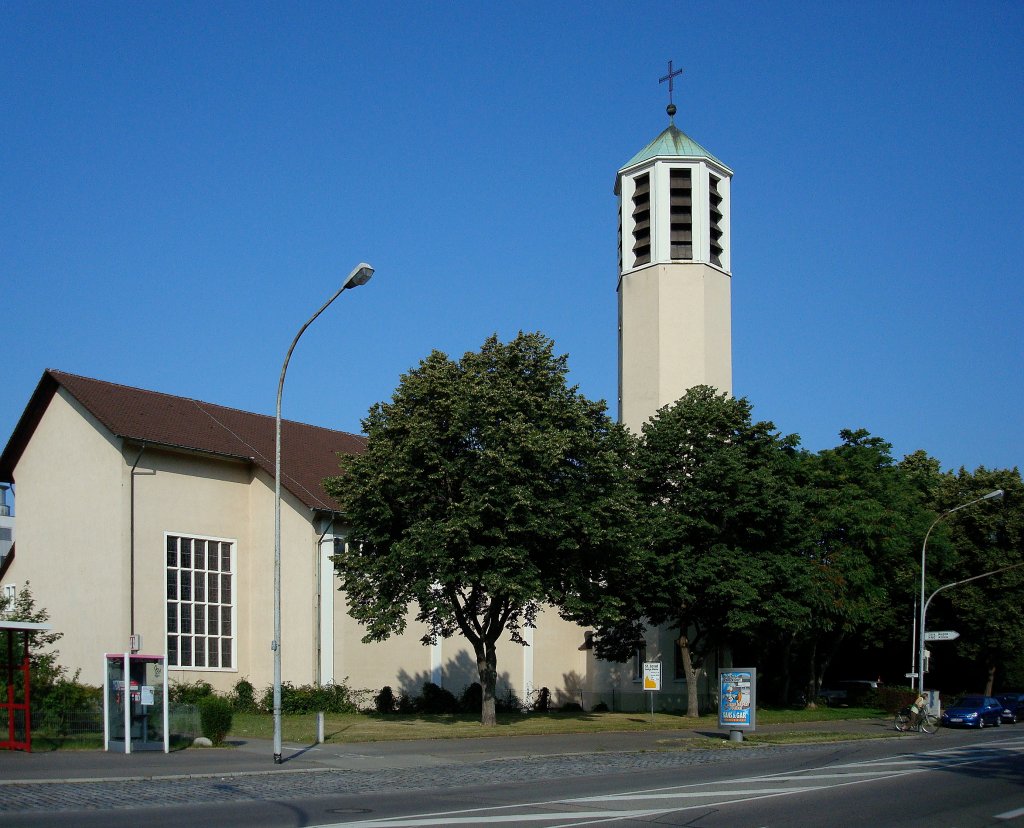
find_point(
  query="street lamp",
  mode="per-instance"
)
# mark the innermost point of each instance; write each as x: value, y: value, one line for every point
x: 359, y: 276
x: 998, y: 493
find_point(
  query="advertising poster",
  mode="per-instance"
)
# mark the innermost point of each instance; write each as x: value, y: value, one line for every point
x: 737, y: 698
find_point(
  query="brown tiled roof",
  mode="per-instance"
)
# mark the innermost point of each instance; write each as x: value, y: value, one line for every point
x: 308, y: 453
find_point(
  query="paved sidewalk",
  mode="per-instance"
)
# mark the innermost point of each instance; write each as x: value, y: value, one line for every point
x: 255, y: 756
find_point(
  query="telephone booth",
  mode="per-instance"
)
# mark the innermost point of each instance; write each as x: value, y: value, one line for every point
x: 15, y: 674
x: 135, y: 703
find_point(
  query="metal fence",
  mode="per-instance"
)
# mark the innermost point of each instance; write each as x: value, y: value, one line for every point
x: 618, y: 701
x: 183, y: 722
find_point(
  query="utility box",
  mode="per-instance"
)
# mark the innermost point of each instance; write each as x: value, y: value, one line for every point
x: 135, y: 703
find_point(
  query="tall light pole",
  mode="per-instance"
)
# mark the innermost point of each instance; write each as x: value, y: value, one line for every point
x: 998, y: 493
x: 359, y: 276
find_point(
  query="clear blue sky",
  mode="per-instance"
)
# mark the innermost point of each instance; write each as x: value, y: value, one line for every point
x: 183, y: 184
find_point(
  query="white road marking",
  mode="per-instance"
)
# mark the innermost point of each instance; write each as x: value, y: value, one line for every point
x: 718, y: 793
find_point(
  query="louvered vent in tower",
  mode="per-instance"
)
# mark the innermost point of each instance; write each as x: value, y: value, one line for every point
x: 642, y: 221
x: 715, y: 220
x: 681, y: 210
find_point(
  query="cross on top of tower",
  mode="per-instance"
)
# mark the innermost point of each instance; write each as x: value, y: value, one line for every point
x: 671, y: 108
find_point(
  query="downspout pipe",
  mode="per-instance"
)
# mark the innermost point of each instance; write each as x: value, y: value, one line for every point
x: 131, y: 542
x: 319, y: 597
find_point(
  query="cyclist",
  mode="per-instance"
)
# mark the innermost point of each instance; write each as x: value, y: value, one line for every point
x: 917, y: 709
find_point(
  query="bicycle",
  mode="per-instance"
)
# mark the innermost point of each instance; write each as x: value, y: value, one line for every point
x: 906, y: 720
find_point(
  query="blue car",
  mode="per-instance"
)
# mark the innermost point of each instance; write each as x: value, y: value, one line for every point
x: 974, y: 711
x: 1013, y: 707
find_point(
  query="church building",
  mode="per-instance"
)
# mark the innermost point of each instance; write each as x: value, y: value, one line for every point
x: 146, y: 520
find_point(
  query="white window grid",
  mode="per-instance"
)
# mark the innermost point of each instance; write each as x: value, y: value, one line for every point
x: 200, y: 602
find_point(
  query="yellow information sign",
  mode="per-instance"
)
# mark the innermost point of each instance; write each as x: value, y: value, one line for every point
x: 652, y: 675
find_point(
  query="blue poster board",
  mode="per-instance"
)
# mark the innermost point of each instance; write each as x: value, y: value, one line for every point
x: 737, y: 698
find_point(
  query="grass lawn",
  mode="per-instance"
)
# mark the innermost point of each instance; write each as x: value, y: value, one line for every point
x: 372, y: 727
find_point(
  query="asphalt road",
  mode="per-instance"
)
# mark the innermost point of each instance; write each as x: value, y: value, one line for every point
x: 954, y: 778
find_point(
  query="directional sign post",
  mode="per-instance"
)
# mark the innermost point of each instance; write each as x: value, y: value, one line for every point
x: 941, y: 635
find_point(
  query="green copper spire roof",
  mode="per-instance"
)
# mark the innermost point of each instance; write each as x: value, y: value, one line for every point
x: 672, y: 142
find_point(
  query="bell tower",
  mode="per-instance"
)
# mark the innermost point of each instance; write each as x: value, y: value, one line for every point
x: 675, y: 327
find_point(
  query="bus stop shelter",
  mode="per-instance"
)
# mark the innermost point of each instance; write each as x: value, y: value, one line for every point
x: 15, y: 672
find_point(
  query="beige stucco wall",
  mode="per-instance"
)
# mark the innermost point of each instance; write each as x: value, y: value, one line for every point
x: 675, y: 333
x: 559, y: 657
x: 71, y: 513
x: 190, y: 495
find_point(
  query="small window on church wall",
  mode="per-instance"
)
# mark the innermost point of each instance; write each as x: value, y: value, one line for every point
x: 715, y: 219
x: 200, y: 576
x: 642, y: 220
x: 681, y: 213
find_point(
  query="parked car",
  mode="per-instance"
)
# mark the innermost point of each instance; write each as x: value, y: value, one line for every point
x: 974, y: 711
x: 847, y: 691
x: 1013, y: 707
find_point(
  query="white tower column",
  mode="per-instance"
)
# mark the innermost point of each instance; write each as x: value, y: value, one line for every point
x: 675, y: 327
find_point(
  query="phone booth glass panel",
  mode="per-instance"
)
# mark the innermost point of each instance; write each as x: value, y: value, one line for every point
x: 135, y: 703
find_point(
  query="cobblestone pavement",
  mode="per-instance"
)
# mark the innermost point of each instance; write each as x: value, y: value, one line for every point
x: 282, y: 785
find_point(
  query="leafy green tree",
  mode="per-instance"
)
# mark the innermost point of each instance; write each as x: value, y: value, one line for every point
x: 864, y: 516
x: 719, y: 511
x: 488, y: 489
x: 983, y: 538
x: 46, y: 674
x: 44, y: 661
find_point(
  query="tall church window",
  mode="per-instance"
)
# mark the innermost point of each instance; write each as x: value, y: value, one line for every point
x: 715, y: 219
x: 681, y: 213
x: 200, y: 603
x: 642, y: 220
x: 639, y: 657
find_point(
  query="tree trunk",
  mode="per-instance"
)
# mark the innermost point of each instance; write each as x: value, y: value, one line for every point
x: 812, y: 684
x: 830, y: 653
x: 691, y: 673
x: 487, y: 669
x: 991, y: 680
x: 787, y: 653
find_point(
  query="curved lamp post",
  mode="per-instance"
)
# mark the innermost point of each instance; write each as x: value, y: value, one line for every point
x: 359, y: 276
x: 998, y: 493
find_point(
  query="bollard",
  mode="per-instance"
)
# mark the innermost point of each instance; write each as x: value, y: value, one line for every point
x: 320, y: 728
x: 735, y: 735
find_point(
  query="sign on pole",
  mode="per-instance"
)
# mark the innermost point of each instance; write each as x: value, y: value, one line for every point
x: 652, y: 675
x: 942, y: 635
x: 652, y: 680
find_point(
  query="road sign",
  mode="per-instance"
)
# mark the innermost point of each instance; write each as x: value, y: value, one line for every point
x: 910, y: 675
x: 941, y: 635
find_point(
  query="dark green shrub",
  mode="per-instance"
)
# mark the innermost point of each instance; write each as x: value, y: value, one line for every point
x: 406, y: 704
x: 215, y: 718
x: 436, y: 700
x: 69, y: 696
x: 891, y: 699
x: 67, y: 700
x: 571, y: 707
x: 243, y: 697
x: 542, y: 703
x: 384, y: 701
x: 600, y: 707
x: 310, y: 698
x: 507, y: 702
x: 183, y: 692
x: 472, y: 699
